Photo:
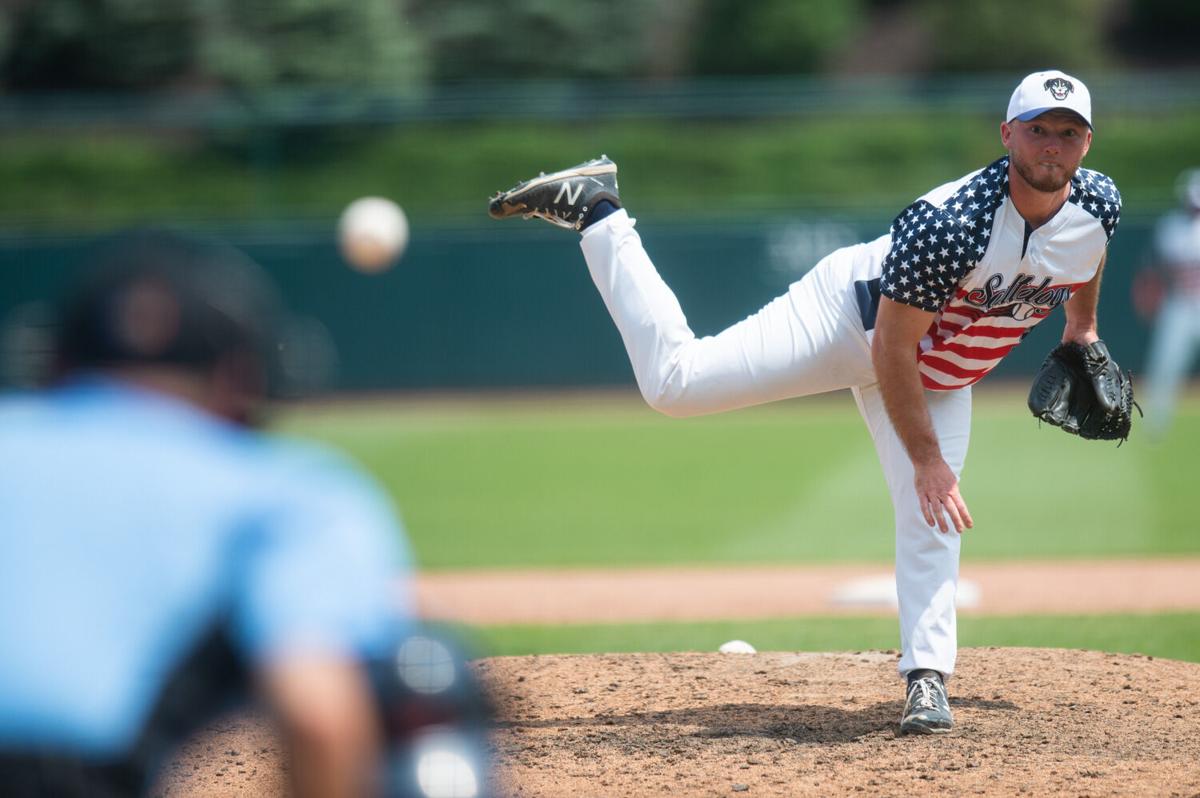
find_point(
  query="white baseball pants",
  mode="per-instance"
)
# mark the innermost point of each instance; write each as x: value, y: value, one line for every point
x: 1176, y: 336
x: 808, y: 341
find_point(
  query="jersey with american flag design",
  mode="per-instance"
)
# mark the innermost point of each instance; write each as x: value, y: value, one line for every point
x: 963, y: 252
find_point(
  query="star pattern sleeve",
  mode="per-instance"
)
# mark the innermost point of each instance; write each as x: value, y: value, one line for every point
x: 1097, y: 194
x: 928, y: 257
x: 934, y: 247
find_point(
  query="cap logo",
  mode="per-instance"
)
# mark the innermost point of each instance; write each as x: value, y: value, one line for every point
x: 1059, y: 88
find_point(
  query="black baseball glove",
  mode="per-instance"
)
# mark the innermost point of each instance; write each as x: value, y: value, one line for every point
x: 1084, y: 391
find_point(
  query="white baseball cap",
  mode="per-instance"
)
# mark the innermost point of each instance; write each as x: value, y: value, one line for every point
x: 1046, y: 91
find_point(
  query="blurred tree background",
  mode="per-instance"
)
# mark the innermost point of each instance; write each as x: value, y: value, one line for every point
x: 776, y: 129
x: 112, y: 110
x: 121, y: 45
x: 138, y: 45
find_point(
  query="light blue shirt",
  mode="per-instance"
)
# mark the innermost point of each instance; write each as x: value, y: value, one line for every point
x: 131, y: 524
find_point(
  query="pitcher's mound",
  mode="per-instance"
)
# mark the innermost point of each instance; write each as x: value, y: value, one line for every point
x: 1028, y: 721
x: 1032, y: 721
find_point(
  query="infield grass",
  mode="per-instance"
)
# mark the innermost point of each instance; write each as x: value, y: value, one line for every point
x: 1174, y: 636
x: 595, y: 480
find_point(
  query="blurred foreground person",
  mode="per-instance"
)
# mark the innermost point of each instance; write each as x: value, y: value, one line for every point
x: 1176, y: 274
x: 159, y: 558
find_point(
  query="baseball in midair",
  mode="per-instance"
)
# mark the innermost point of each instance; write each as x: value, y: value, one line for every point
x: 372, y: 233
x: 737, y: 647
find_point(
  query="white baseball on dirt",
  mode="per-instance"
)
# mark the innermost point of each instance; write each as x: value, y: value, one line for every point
x: 737, y: 647
x: 372, y: 233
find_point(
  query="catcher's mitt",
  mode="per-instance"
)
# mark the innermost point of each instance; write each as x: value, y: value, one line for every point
x: 1084, y: 391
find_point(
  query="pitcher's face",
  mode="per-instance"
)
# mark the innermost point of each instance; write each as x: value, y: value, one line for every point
x: 1046, y: 151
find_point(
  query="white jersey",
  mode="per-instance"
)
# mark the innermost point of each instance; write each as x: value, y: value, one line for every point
x: 1177, y: 328
x: 1177, y: 240
x: 963, y: 251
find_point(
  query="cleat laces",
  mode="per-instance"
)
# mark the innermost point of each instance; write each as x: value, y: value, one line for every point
x: 925, y: 700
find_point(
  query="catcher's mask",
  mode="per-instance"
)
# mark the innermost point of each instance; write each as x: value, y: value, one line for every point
x: 162, y: 298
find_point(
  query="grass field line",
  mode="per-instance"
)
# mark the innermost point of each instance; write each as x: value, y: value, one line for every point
x: 704, y: 593
x: 817, y: 504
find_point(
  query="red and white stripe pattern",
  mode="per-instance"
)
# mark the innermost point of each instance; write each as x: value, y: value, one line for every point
x: 965, y: 342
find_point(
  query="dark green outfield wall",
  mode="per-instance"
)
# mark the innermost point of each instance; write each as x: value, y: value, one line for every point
x: 511, y: 304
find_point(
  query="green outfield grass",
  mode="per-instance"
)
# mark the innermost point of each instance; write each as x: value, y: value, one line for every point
x: 1175, y: 636
x: 565, y: 481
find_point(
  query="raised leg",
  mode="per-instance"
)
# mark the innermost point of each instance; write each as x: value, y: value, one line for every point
x: 807, y: 341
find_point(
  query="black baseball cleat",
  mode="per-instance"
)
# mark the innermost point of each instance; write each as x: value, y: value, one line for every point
x: 562, y: 198
x: 927, y: 709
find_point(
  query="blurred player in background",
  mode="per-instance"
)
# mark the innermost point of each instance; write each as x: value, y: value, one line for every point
x: 909, y: 322
x: 158, y: 556
x: 1172, y: 289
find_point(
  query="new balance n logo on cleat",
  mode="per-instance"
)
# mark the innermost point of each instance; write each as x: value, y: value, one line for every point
x: 565, y: 191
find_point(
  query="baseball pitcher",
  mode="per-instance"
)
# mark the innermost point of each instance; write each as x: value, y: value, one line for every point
x: 908, y: 322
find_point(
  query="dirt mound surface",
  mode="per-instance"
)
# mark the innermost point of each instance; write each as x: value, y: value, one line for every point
x: 237, y: 755
x: 1029, y: 721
